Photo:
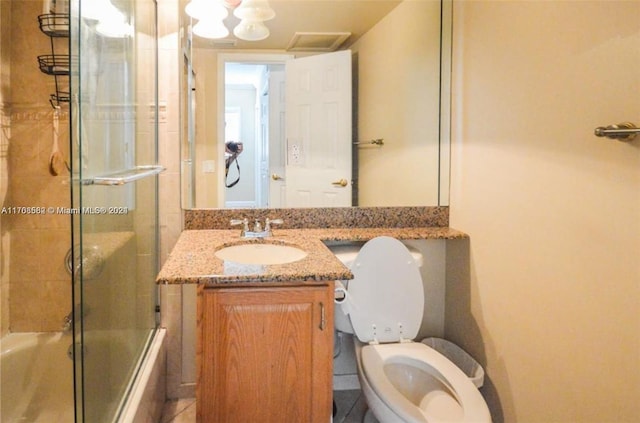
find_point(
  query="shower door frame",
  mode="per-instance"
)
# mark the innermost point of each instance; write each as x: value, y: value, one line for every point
x: 117, y: 204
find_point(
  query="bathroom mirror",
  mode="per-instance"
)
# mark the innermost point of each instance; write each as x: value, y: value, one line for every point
x: 395, y: 148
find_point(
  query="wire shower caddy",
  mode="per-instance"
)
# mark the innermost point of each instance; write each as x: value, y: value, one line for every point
x: 56, y: 25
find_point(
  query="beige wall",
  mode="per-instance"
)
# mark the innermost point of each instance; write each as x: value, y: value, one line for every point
x: 5, y: 133
x: 33, y: 246
x: 398, y: 100
x: 205, y: 61
x: 547, y: 291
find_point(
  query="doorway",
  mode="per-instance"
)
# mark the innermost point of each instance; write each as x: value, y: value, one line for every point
x: 253, y: 115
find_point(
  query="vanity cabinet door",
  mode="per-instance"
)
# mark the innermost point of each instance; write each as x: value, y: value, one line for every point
x: 265, y: 354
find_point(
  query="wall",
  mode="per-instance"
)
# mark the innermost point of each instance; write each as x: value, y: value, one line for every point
x: 398, y: 70
x: 171, y: 298
x: 5, y: 134
x: 546, y: 293
x: 205, y: 61
x: 33, y: 246
x: 169, y: 65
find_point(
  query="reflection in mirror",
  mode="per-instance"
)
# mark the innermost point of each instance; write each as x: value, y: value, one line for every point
x: 355, y: 114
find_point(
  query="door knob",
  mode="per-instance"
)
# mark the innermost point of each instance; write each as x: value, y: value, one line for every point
x: 277, y: 177
x: 342, y: 182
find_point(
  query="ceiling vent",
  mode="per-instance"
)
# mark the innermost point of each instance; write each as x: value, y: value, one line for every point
x: 317, y: 41
x: 223, y: 43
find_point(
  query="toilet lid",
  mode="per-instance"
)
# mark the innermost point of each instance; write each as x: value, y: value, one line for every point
x: 386, y: 293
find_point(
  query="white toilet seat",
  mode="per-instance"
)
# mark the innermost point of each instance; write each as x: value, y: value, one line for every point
x: 454, y: 399
x: 386, y: 292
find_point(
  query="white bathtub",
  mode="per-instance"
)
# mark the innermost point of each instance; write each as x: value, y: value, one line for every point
x: 36, y: 383
x: 36, y: 378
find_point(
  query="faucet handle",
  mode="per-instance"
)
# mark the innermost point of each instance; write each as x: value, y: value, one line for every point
x: 268, y: 222
x: 244, y: 222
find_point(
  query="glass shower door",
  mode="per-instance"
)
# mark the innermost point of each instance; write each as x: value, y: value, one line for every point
x: 115, y: 225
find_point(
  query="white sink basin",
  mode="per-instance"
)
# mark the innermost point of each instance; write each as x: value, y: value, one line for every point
x: 261, y: 253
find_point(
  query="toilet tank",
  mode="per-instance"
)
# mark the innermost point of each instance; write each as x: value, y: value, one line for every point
x: 347, y: 253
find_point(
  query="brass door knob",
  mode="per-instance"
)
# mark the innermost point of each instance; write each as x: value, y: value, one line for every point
x: 342, y: 182
x: 277, y: 177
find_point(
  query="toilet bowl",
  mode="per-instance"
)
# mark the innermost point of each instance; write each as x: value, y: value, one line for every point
x: 402, y: 380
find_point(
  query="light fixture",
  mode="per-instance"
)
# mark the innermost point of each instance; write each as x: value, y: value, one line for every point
x: 231, y: 4
x: 114, y: 29
x: 254, y: 10
x: 209, y: 10
x: 112, y: 22
x: 210, y: 14
x: 97, y: 9
x: 213, y: 28
x: 251, y: 30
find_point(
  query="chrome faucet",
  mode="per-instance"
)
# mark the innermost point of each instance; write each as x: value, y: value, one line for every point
x: 79, y: 311
x: 67, y: 322
x: 245, y: 225
x: 258, y: 231
x: 267, y: 225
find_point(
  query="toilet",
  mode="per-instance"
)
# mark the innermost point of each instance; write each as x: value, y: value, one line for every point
x: 402, y: 380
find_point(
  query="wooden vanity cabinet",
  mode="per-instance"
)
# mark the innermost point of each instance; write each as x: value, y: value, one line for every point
x: 265, y: 354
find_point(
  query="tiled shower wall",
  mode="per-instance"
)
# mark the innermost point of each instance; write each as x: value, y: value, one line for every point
x: 4, y: 240
x: 36, y: 288
x: 5, y: 133
x: 33, y: 247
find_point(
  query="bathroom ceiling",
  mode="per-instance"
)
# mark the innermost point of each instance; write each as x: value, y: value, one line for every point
x: 323, y: 16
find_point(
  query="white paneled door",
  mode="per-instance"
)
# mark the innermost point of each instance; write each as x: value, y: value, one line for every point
x: 319, y: 140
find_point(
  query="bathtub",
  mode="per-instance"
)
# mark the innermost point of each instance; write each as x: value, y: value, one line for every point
x: 36, y: 378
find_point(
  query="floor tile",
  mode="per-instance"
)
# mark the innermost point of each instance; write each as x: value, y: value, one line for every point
x: 179, y: 411
x: 350, y: 404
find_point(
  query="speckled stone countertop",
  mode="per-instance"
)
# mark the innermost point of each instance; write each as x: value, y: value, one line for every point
x: 327, y: 217
x: 193, y: 258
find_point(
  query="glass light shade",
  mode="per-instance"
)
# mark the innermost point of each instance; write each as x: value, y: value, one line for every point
x: 113, y: 28
x: 231, y: 4
x: 251, y: 30
x: 206, y: 10
x: 254, y: 10
x: 112, y: 22
x: 210, y: 28
x: 97, y: 9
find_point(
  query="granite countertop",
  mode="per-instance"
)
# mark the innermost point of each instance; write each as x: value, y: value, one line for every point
x: 193, y: 258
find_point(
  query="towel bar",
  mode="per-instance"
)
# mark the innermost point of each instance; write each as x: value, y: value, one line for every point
x: 625, y: 131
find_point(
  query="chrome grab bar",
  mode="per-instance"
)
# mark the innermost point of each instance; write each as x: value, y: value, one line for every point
x: 125, y: 176
x: 625, y: 131
x: 377, y: 141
